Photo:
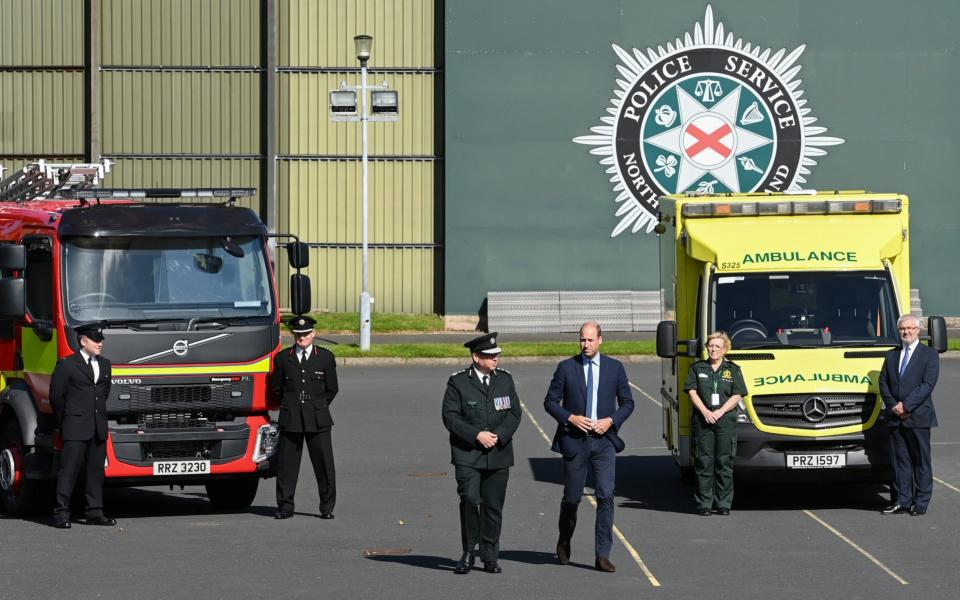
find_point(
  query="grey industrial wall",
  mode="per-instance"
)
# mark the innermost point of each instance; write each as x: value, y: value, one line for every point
x: 527, y: 209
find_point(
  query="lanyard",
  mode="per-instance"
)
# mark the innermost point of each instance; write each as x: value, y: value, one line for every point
x: 714, y: 375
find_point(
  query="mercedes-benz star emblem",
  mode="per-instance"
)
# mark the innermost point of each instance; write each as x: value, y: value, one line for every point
x: 814, y: 409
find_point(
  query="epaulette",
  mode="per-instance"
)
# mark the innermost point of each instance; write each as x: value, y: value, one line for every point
x: 504, y: 371
x: 461, y: 371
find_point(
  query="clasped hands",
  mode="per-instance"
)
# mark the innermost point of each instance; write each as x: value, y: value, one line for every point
x: 712, y: 416
x: 586, y: 424
x: 487, y: 439
x: 900, y: 411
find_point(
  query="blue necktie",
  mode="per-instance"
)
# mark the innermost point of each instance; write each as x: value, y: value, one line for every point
x: 906, y: 359
x: 589, y: 414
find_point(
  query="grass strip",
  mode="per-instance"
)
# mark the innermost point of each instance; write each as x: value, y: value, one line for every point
x: 431, y: 350
x: 382, y: 323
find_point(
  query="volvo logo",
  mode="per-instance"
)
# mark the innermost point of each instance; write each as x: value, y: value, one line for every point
x: 814, y: 409
x: 181, y: 347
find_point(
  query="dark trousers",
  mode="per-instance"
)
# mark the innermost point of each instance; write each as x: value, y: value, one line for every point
x: 715, y: 447
x: 598, y: 454
x: 289, y: 453
x: 77, y: 454
x: 912, y: 471
x: 482, y: 493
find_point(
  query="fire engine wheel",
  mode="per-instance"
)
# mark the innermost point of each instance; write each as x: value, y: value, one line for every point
x: 233, y: 494
x: 19, y: 496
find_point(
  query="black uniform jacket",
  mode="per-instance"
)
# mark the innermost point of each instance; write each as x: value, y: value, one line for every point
x: 468, y: 409
x: 305, y: 391
x: 80, y: 406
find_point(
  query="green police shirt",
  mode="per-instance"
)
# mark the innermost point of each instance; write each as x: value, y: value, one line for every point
x: 726, y: 381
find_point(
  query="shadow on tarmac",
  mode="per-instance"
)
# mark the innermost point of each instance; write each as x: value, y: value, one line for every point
x: 654, y: 483
x: 133, y: 503
x: 436, y: 563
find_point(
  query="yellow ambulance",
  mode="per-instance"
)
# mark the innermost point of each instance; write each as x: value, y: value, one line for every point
x: 809, y: 287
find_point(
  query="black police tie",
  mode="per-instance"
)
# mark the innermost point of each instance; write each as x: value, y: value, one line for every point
x: 486, y: 381
x: 92, y: 370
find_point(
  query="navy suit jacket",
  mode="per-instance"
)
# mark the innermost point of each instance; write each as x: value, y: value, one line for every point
x: 915, y: 390
x: 567, y: 395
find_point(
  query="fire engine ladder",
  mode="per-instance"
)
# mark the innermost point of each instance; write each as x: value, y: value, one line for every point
x: 43, y: 179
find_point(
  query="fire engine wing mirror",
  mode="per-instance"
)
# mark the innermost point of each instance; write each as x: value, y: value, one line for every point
x: 299, y: 255
x: 937, y: 328
x: 299, y: 294
x: 667, y: 341
x: 13, y: 298
x: 13, y: 257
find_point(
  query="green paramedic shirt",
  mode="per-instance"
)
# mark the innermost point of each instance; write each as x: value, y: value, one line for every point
x: 726, y: 381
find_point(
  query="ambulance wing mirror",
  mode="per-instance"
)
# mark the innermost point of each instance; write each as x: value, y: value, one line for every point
x: 299, y: 255
x: 13, y: 298
x: 667, y: 341
x: 937, y: 328
x: 13, y: 257
x: 299, y: 294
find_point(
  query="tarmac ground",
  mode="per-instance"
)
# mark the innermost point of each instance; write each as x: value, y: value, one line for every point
x: 396, y: 532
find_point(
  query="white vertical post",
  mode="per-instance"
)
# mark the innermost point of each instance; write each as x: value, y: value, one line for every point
x: 365, y: 324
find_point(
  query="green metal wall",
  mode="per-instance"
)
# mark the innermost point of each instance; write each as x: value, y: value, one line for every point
x: 522, y: 80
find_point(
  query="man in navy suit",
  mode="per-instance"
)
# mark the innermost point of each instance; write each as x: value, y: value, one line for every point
x: 907, y: 379
x: 590, y: 398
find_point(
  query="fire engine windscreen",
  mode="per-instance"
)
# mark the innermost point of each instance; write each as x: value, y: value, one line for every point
x: 180, y: 278
x: 810, y: 309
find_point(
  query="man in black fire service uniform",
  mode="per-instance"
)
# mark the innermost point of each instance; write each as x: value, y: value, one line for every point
x: 305, y: 381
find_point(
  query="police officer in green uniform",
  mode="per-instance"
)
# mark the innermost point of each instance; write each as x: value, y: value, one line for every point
x: 481, y: 411
x: 715, y: 387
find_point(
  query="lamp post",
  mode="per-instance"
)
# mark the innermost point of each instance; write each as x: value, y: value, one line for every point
x: 343, y: 107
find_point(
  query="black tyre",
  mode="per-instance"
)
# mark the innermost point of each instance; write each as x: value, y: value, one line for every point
x: 233, y: 494
x: 19, y: 496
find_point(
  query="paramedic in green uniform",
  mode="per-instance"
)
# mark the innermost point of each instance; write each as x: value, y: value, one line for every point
x: 716, y: 387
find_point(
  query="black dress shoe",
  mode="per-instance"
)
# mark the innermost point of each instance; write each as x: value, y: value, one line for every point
x: 604, y: 564
x: 492, y: 567
x: 918, y: 511
x: 326, y: 515
x: 61, y: 523
x: 563, y: 552
x: 102, y: 521
x: 704, y: 512
x: 465, y: 564
x: 723, y: 511
x: 283, y: 514
x: 894, y: 509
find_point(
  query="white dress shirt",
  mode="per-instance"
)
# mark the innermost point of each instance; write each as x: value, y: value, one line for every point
x: 95, y: 364
x: 596, y: 381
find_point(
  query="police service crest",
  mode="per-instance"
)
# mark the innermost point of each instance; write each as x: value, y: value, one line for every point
x: 708, y: 113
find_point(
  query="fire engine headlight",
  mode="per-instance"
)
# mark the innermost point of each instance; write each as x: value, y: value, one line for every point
x: 267, y: 438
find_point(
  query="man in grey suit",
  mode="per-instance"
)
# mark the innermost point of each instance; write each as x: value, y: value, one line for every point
x: 907, y: 379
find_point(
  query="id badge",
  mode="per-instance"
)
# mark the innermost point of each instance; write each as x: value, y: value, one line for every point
x: 714, y: 399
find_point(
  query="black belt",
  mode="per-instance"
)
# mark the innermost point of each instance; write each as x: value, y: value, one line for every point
x: 594, y: 434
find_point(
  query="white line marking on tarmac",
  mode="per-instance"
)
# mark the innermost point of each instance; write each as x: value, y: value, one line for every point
x: 616, y: 531
x: 944, y: 483
x: 649, y: 397
x: 856, y: 547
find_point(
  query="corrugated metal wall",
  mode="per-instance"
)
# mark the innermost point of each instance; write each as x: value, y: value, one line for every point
x: 319, y: 177
x: 177, y: 99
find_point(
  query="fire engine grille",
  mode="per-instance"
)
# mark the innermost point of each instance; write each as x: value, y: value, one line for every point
x: 814, y: 411
x: 209, y: 397
x: 178, y: 450
x: 180, y: 393
x: 176, y: 420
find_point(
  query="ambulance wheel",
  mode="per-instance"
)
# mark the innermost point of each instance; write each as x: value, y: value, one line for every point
x: 20, y: 496
x: 233, y: 494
